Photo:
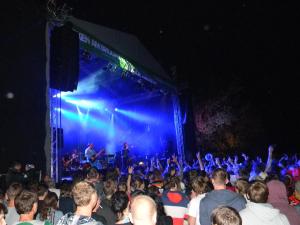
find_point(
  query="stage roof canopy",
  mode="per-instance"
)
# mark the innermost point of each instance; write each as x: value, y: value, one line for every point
x: 125, y: 45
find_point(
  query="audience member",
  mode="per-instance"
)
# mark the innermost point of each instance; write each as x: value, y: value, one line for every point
x: 143, y: 211
x: 49, y: 210
x: 86, y: 201
x: 13, y: 190
x: 219, y: 196
x: 199, y: 189
x: 120, y: 206
x: 295, y: 198
x: 258, y: 211
x: 278, y: 198
x: 225, y: 215
x: 66, y: 202
x: 26, y: 206
x: 241, y: 187
x: 175, y: 202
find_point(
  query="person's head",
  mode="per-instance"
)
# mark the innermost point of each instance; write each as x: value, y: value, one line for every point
x: 65, y: 189
x: 277, y: 192
x: 258, y: 192
x: 93, y: 174
x: 139, y: 183
x: 16, y: 166
x: 50, y: 202
x: 153, y: 189
x: 91, y: 145
x: 157, y: 175
x: 13, y: 190
x: 173, y: 184
x: 120, y: 204
x: 84, y: 195
x: 225, y: 215
x: 241, y: 186
x: 143, y: 211
x: 26, y: 203
x: 109, y: 188
x: 122, y: 186
x: 244, y: 173
x: 219, y: 178
x: 199, y: 185
x: 42, y: 191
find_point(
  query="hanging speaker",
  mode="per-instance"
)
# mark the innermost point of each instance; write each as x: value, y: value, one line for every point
x: 64, y: 58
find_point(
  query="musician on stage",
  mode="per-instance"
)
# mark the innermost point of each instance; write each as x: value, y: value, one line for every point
x: 91, y: 156
x: 125, y: 156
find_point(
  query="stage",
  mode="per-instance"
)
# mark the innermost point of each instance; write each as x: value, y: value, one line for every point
x: 116, y: 101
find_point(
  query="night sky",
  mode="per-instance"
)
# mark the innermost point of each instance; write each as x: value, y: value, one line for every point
x: 207, y: 47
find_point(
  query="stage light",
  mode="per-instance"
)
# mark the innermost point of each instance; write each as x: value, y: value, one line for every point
x: 116, y: 109
x: 137, y: 116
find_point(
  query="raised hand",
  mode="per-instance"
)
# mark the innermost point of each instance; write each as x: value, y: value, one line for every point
x: 217, y: 161
x: 198, y: 155
x: 236, y: 159
x: 245, y: 156
x: 271, y: 149
x: 174, y: 158
x: 130, y: 169
x: 168, y: 161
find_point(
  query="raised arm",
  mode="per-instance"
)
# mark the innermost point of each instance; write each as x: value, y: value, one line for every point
x: 201, y: 165
x: 270, y: 158
x: 130, y: 171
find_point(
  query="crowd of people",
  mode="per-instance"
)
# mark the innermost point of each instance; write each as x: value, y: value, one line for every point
x: 228, y: 191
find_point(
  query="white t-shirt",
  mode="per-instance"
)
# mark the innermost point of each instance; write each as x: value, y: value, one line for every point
x: 194, y: 207
x: 12, y: 216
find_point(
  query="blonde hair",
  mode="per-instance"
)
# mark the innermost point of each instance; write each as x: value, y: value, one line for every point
x: 82, y: 193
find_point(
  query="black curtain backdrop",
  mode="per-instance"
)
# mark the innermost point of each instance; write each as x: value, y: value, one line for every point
x: 22, y: 63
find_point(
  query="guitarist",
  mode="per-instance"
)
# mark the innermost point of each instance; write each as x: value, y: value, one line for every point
x: 92, y: 156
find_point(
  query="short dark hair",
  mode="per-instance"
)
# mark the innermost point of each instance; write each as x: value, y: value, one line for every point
x: 242, y: 186
x: 92, y: 173
x: 25, y: 201
x: 13, y: 190
x: 220, y: 176
x: 258, y: 192
x: 172, y: 182
x: 119, y: 203
x: 199, y: 185
x: 225, y: 215
x: 42, y: 189
x: 109, y: 187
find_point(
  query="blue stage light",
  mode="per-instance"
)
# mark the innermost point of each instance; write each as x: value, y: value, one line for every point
x: 116, y: 109
x: 138, y: 116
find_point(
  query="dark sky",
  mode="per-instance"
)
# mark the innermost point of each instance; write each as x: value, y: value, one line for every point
x: 215, y: 45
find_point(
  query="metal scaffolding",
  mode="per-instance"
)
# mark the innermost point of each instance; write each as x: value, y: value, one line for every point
x: 178, y: 127
x: 55, y: 125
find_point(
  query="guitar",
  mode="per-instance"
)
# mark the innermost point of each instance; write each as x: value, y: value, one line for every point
x: 68, y: 162
x: 94, y: 157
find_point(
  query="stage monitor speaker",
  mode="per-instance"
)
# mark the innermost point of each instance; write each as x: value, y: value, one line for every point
x: 64, y: 58
x: 58, y: 134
